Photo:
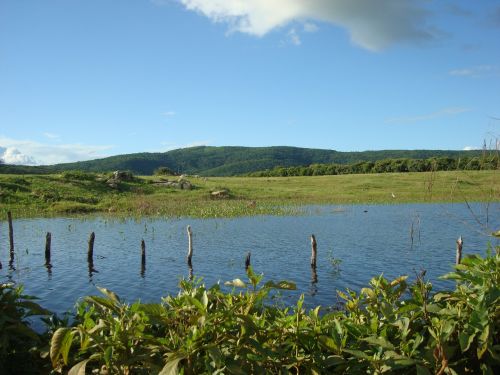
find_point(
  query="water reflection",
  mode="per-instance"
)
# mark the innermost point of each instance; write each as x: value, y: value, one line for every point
x: 367, y: 243
x: 314, y: 281
x: 48, y: 266
x: 191, y: 274
x: 143, y: 270
x: 92, y: 270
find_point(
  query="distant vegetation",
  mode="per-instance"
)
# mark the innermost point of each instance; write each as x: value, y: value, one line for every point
x: 476, y: 163
x: 231, y: 161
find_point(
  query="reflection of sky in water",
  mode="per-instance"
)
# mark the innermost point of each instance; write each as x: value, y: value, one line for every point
x: 368, y: 243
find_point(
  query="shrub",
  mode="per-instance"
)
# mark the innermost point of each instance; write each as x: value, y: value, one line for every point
x: 389, y: 327
x: 164, y: 171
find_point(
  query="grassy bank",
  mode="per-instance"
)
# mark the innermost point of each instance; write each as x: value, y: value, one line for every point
x: 79, y: 193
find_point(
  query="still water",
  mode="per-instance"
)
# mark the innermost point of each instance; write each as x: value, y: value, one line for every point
x: 368, y: 239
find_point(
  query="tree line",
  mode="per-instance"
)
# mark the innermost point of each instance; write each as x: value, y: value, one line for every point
x: 485, y: 162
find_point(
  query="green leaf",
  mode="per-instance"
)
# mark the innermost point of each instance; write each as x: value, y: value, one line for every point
x: 398, y: 280
x: 56, y: 344
x: 237, y: 283
x: 216, y: 355
x: 496, y: 234
x: 204, y: 299
x: 66, y: 345
x: 102, y: 302
x: 171, y: 367
x: 357, y: 354
x: 465, y: 340
x: 79, y: 368
x: 283, y: 284
x: 108, y: 354
x: 328, y: 343
x: 379, y: 341
x: 108, y: 293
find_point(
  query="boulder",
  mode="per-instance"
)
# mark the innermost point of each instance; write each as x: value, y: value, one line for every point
x: 220, y: 194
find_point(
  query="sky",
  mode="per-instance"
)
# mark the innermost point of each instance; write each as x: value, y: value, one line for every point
x: 84, y: 79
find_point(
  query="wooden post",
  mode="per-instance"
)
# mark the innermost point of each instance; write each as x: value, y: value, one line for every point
x: 11, y: 234
x: 247, y: 260
x: 314, y: 276
x: 90, y: 253
x: 190, y: 245
x: 143, y: 255
x: 314, y: 253
x: 460, y: 243
x: 48, y: 240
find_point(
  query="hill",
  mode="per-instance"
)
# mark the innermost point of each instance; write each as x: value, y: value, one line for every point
x: 230, y: 161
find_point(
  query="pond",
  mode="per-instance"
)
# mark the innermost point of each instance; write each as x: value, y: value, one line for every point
x: 368, y: 239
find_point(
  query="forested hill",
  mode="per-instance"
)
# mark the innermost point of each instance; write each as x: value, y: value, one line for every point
x: 228, y: 161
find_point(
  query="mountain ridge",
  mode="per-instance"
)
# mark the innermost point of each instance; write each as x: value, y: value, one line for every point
x: 232, y: 160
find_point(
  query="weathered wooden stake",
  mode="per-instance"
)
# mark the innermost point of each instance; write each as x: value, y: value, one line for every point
x: 48, y: 239
x: 247, y: 260
x: 460, y: 243
x: 190, y: 245
x: 90, y: 253
x: 11, y: 234
x: 143, y: 254
x: 314, y: 253
x: 314, y: 276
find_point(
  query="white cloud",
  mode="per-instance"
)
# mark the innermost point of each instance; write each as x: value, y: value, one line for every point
x: 11, y: 155
x: 372, y: 24
x: 310, y: 27
x: 294, y: 38
x: 29, y: 152
x: 470, y: 148
x: 445, y: 112
x: 476, y: 71
x: 51, y: 135
x: 168, y: 113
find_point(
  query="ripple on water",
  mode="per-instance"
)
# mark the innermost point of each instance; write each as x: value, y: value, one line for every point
x: 368, y: 244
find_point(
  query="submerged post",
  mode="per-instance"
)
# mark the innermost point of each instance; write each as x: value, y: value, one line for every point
x: 190, y: 245
x: 460, y: 243
x: 11, y: 234
x: 247, y: 260
x: 314, y: 254
x: 143, y: 255
x: 90, y: 253
x: 48, y: 240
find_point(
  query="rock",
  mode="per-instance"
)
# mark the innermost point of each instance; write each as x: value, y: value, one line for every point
x: 185, y: 185
x: 182, y: 184
x: 123, y: 176
x: 220, y: 194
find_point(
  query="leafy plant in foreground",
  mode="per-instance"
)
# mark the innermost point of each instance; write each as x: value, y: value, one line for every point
x: 388, y: 327
x: 18, y: 341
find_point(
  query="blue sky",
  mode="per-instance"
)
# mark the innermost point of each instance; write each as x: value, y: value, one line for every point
x: 81, y: 79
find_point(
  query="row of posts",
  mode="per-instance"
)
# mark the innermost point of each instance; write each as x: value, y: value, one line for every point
x: 90, y: 253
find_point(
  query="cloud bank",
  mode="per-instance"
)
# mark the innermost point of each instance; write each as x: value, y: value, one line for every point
x: 371, y: 24
x: 28, y: 152
x: 11, y: 155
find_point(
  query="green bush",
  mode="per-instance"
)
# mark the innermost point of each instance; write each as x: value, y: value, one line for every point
x: 389, y: 327
x: 19, y: 343
x: 78, y: 175
x: 164, y: 171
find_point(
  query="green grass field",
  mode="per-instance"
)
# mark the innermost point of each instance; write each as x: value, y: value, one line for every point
x: 64, y: 194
